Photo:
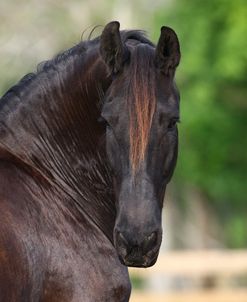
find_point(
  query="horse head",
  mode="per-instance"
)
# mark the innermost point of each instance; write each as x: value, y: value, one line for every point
x: 140, y: 113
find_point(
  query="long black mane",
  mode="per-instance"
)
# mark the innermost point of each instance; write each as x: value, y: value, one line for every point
x: 50, y: 130
x: 79, y: 49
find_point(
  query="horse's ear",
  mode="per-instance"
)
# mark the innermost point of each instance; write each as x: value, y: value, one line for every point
x: 111, y: 47
x: 167, y: 54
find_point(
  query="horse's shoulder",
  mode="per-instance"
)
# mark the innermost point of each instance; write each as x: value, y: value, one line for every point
x: 13, y: 265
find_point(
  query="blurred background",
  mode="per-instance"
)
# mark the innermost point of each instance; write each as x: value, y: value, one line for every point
x: 203, y: 255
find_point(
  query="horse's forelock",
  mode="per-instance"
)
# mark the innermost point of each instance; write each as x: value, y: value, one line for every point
x: 141, y: 102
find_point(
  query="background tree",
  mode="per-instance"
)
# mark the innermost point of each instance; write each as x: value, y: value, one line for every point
x: 213, y: 80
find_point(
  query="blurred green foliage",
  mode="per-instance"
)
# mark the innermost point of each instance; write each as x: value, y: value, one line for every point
x: 213, y: 80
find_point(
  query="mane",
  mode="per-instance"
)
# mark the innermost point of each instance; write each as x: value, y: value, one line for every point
x: 72, y: 158
x: 141, y: 106
x: 42, y: 68
x: 14, y: 96
x: 79, y: 49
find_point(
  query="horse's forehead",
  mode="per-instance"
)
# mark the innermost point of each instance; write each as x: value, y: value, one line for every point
x: 134, y: 45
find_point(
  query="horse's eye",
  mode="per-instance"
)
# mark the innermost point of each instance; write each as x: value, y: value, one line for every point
x: 102, y: 121
x: 172, y: 124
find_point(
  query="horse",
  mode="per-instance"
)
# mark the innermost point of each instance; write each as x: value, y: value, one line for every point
x: 88, y: 144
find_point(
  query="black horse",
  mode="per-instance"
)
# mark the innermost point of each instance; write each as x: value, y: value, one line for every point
x: 88, y: 144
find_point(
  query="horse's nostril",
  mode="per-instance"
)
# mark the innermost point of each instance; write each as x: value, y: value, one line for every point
x: 152, y: 237
x: 149, y: 242
x: 121, y: 240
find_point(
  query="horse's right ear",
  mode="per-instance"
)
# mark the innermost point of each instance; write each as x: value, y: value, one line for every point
x: 112, y: 49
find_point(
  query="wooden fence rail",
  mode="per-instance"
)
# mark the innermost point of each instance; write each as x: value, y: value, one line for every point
x: 195, y: 265
x: 196, y: 296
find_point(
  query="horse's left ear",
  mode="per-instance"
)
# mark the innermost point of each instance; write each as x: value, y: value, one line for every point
x: 112, y: 49
x: 167, y: 54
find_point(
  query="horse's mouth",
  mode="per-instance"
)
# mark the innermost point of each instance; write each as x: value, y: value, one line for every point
x: 141, y: 261
x: 142, y: 255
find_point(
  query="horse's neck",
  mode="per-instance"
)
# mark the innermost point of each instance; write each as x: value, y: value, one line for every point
x: 54, y: 132
x: 50, y: 109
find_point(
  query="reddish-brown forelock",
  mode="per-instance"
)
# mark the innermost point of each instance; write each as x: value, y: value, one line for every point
x: 141, y: 103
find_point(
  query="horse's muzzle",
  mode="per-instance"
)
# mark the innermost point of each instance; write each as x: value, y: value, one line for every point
x: 138, y: 255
